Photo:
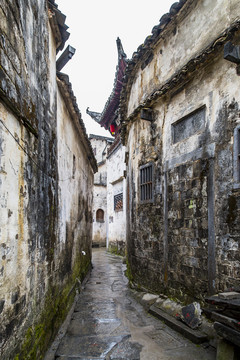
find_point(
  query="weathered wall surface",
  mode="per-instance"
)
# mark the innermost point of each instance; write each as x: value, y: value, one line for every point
x: 177, y: 47
x: 100, y: 202
x: 116, y: 186
x: 202, y: 199
x: 145, y: 222
x: 100, y: 145
x: 109, y: 181
x: 75, y: 194
x: 40, y: 242
x: 186, y: 241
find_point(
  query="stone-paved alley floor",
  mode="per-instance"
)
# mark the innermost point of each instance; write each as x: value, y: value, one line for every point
x: 107, y: 323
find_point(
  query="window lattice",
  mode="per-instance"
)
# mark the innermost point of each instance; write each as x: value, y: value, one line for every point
x: 146, y: 182
x: 118, y: 202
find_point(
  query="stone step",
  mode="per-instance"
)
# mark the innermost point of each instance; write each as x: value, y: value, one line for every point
x: 195, y: 336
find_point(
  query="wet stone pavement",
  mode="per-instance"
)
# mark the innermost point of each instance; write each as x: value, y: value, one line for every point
x: 108, y: 323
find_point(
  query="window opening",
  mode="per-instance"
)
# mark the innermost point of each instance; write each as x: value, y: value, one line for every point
x: 118, y: 202
x: 189, y: 125
x: 100, y: 215
x: 146, y: 182
x: 74, y: 167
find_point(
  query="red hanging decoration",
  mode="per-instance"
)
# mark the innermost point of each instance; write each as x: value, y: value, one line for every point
x: 112, y: 129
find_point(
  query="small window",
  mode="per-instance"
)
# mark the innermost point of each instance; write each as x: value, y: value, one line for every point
x: 100, y: 215
x: 146, y: 183
x: 189, y: 125
x: 74, y: 167
x: 118, y: 202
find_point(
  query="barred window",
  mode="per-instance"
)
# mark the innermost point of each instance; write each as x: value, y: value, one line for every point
x: 118, y: 202
x: 146, y: 182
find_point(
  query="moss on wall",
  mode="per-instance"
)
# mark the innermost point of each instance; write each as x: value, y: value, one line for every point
x: 57, y: 304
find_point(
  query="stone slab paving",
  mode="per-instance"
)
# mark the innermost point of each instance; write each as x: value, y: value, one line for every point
x: 109, y: 324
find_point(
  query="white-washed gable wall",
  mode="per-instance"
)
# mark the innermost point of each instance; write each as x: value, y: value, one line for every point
x: 179, y: 44
x: 116, y: 187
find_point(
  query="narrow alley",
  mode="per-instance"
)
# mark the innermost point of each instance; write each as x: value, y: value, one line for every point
x: 148, y: 168
x: 108, y: 323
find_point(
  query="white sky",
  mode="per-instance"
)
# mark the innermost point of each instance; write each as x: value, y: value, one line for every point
x: 94, y: 26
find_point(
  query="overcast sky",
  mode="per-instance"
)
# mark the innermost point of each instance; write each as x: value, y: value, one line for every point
x: 94, y: 26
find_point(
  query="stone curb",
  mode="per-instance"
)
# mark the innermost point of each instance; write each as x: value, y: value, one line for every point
x: 166, y: 309
x: 196, y: 336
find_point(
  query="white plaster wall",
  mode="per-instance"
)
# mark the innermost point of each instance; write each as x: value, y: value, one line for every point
x: 75, y: 179
x: 211, y: 92
x: 100, y: 191
x: 100, y: 178
x: 29, y: 241
x: 116, y: 185
x: 24, y: 274
x: 192, y: 33
x: 205, y: 89
x: 100, y: 202
x: 101, y: 147
x: 14, y: 228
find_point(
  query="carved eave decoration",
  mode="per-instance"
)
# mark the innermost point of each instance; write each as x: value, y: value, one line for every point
x: 65, y: 88
x: 94, y: 115
x: 145, y: 51
x: 109, y: 114
x: 110, y: 110
x: 57, y: 23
